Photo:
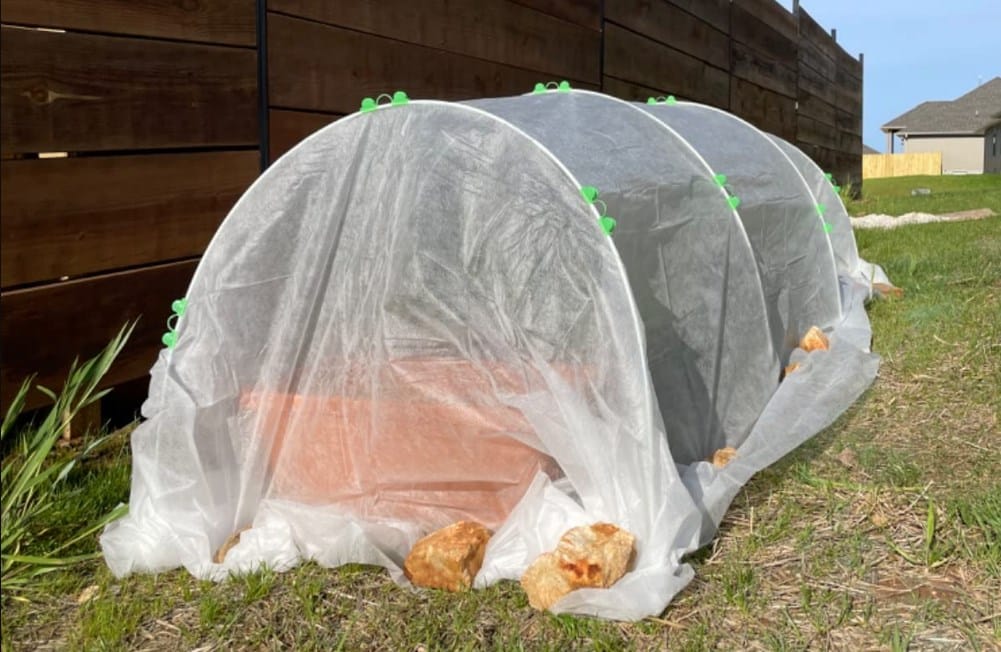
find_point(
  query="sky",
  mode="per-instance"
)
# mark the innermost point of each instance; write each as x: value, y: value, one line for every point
x: 914, y: 51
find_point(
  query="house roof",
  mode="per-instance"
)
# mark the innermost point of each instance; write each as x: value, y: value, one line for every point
x: 970, y: 114
x: 869, y: 150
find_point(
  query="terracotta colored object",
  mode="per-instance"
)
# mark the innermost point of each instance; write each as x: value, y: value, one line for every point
x: 434, y: 447
x: 590, y: 556
x: 449, y: 558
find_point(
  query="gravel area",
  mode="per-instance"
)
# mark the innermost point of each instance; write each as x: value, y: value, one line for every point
x: 877, y: 221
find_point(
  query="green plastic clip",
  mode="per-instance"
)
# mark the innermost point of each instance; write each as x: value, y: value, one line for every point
x: 178, y: 307
x: 607, y: 224
x: 733, y: 201
x: 837, y: 188
x: 562, y: 87
x: 828, y: 227
x: 670, y: 100
x: 821, y: 209
x: 829, y: 177
x: 720, y: 180
x: 399, y: 98
x: 590, y: 193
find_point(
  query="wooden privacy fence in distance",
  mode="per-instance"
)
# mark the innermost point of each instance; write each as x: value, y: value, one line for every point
x: 878, y: 166
x: 130, y: 128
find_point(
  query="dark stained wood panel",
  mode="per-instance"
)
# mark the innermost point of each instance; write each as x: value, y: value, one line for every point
x: 288, y: 128
x: 494, y: 30
x: 750, y: 65
x: 317, y: 67
x: 579, y: 12
x: 637, y: 59
x: 630, y: 91
x: 231, y: 22
x: 77, y: 216
x: 849, y: 122
x: 667, y: 23
x: 849, y: 63
x: 714, y: 12
x: 810, y: 81
x: 84, y: 92
x: 814, y: 107
x: 765, y: 109
x: 763, y: 37
x: 811, y: 131
x: 818, y: 60
x: 48, y: 326
x: 765, y: 12
x: 811, y: 30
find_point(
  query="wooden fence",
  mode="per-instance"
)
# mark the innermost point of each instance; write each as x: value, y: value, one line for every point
x: 878, y: 166
x: 130, y: 128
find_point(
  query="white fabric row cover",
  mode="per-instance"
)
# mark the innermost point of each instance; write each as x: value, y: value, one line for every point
x: 416, y: 316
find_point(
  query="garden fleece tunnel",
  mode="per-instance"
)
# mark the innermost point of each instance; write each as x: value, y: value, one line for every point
x: 534, y: 312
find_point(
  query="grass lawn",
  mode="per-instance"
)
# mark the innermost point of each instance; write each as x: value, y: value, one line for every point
x: 948, y: 194
x: 883, y: 532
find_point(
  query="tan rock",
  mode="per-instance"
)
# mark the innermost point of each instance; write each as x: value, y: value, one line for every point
x: 449, y: 558
x: 233, y: 539
x: 723, y: 456
x: 814, y: 340
x: 590, y: 556
x: 791, y: 367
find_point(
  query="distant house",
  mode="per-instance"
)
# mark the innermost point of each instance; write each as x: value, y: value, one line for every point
x: 966, y: 130
x: 869, y: 150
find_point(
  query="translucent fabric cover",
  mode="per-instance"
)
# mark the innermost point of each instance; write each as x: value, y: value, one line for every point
x: 690, y: 266
x: 840, y: 232
x: 412, y: 318
x: 779, y: 215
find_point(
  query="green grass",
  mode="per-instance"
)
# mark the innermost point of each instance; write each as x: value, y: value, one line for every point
x: 949, y: 194
x: 831, y: 548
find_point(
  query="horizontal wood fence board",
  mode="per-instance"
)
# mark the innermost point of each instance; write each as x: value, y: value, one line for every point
x: 48, y: 326
x: 323, y: 68
x: 817, y: 133
x: 494, y: 30
x: 765, y: 109
x: 230, y: 22
x: 578, y: 12
x: 765, y: 38
x: 671, y: 25
x: 289, y: 128
x: 635, y: 58
x: 750, y: 65
x: 84, y: 92
x: 849, y: 122
x: 814, y: 107
x: 812, y: 31
x: 714, y: 12
x: 849, y: 63
x: 812, y: 56
x: 632, y: 92
x: 765, y: 13
x: 78, y: 216
x: 812, y: 82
